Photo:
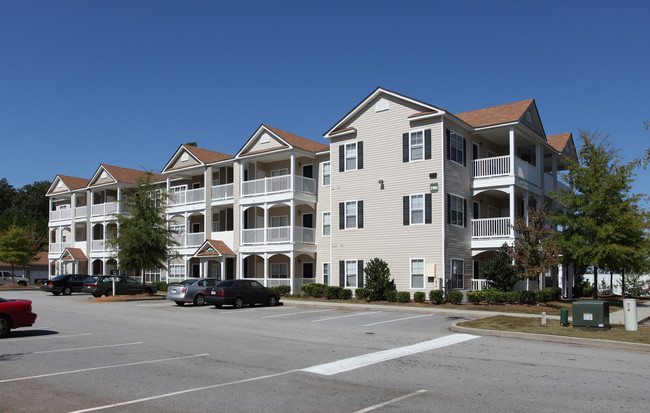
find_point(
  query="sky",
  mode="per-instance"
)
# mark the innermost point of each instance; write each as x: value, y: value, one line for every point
x: 126, y: 83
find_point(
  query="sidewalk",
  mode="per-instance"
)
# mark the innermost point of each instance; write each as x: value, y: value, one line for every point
x: 642, y: 313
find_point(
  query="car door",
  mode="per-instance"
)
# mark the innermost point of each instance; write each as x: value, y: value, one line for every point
x: 132, y: 286
x: 257, y: 292
x: 77, y: 283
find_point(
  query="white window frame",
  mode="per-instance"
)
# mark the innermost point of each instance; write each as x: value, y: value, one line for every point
x: 423, y: 274
x: 326, y: 176
x: 459, y: 219
x: 178, y: 188
x: 196, y: 185
x: 279, y: 172
x: 348, y: 274
x: 411, y: 210
x: 326, y: 273
x: 327, y: 223
x: 356, y: 215
x: 453, y: 275
x: 456, y: 148
x: 420, y: 145
x: 152, y: 276
x: 176, y: 271
x: 355, y: 157
x: 279, y: 270
x: 284, y: 218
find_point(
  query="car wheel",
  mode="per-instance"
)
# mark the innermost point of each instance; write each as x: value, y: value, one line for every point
x: 23, y: 283
x: 218, y: 306
x: 198, y: 299
x: 108, y: 293
x: 148, y: 291
x: 239, y: 303
x: 5, y: 326
x: 273, y: 300
x: 67, y: 291
x: 179, y: 303
x: 55, y: 293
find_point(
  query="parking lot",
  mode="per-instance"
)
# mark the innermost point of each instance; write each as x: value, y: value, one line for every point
x: 152, y: 356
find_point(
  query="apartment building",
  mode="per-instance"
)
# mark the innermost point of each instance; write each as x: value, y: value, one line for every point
x: 430, y: 192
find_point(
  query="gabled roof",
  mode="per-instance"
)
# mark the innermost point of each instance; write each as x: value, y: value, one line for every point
x: 70, y: 182
x: 75, y: 254
x: 341, y: 125
x: 215, y: 248
x: 288, y: 140
x: 125, y: 175
x: 201, y: 155
x: 560, y: 141
x: 496, y: 115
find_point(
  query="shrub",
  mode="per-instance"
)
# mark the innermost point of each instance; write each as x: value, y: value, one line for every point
x: 419, y: 297
x: 436, y: 297
x: 332, y: 293
x: 499, y: 270
x: 494, y: 296
x: 455, y: 297
x: 512, y: 297
x: 282, y: 289
x: 550, y: 294
x: 475, y: 297
x: 313, y: 290
x: 403, y: 297
x: 527, y: 297
x: 391, y: 296
x: 361, y: 293
x: 378, y: 281
x: 587, y: 291
x: 160, y: 285
x: 345, y: 294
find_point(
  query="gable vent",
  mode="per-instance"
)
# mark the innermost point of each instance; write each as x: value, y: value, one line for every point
x: 185, y: 157
x: 381, y: 105
x: 265, y: 138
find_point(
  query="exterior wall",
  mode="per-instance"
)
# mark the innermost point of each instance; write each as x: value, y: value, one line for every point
x: 323, y: 205
x: 180, y: 163
x: 272, y: 143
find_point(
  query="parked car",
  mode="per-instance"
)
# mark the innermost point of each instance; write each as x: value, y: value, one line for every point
x: 190, y: 291
x: 5, y: 278
x: 15, y: 314
x: 239, y: 293
x: 103, y: 285
x: 65, y: 284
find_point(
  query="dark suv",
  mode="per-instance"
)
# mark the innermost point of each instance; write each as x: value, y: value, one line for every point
x: 103, y: 285
x: 65, y: 284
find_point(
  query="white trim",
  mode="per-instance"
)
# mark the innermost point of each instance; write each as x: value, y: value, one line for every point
x: 411, y: 209
x: 322, y: 173
x: 345, y: 157
x: 356, y: 272
x: 329, y: 273
x: 424, y: 273
x: 356, y: 215
x: 329, y: 213
x: 410, y: 145
x: 464, y: 211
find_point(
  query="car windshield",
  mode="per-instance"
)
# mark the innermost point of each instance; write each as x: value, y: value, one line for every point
x: 59, y: 277
x: 187, y: 282
x: 91, y: 279
x: 4, y: 300
x: 225, y: 284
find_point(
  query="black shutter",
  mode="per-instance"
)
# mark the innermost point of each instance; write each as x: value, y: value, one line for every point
x: 464, y: 212
x: 359, y: 155
x: 341, y: 158
x: 341, y: 215
x: 448, y: 143
x: 360, y: 274
x: 427, y: 144
x: 405, y: 147
x: 464, y: 152
x: 448, y: 209
x: 406, y: 211
x: 427, y: 208
x: 342, y: 273
x: 359, y: 214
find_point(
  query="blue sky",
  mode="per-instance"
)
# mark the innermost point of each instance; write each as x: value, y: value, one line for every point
x: 126, y: 82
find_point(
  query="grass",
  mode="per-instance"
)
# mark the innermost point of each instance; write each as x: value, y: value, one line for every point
x: 553, y: 327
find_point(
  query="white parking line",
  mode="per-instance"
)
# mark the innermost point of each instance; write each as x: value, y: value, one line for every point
x: 354, y: 363
x: 100, y: 368
x: 154, y: 305
x: 344, y: 316
x: 298, y: 312
x: 399, y: 319
x: 47, y: 336
x: 380, y: 405
x: 87, y: 348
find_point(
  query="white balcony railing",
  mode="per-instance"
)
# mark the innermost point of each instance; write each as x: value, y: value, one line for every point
x: 304, y: 235
x: 81, y: 212
x: 278, y: 184
x: 307, y: 185
x: 526, y: 171
x: 60, y: 214
x: 279, y: 234
x: 220, y: 192
x: 488, y: 167
x: 253, y: 236
x: 189, y: 196
x: 106, y: 208
x: 491, y: 228
x: 58, y: 247
x: 97, y: 245
x: 194, y: 239
x: 479, y: 284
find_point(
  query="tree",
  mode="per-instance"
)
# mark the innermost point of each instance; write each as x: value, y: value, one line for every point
x: 499, y: 270
x: 16, y: 248
x: 377, y: 280
x: 535, y: 251
x: 602, y: 225
x: 144, y: 239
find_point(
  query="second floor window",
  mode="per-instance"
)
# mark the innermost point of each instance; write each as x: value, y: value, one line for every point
x: 326, y: 173
x: 351, y: 214
x: 457, y: 207
x: 417, y: 209
x: 327, y: 221
x: 351, y: 156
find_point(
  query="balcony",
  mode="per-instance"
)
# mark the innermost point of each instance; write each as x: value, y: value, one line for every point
x: 192, y: 239
x: 491, y: 228
x: 255, y: 236
x: 60, y: 214
x: 500, y: 166
x: 59, y: 247
x: 190, y: 196
x: 106, y: 208
x: 81, y: 212
x: 222, y: 192
x: 266, y: 186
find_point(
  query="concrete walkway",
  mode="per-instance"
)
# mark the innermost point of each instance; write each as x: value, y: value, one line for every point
x: 642, y: 313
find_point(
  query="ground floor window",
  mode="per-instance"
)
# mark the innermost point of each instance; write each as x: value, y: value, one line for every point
x: 177, y: 271
x: 417, y: 273
x: 152, y: 276
x: 351, y: 274
x: 326, y: 273
x: 457, y: 274
x: 280, y: 270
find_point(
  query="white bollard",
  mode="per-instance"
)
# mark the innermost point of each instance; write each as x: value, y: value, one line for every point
x: 631, y: 321
x: 544, y: 318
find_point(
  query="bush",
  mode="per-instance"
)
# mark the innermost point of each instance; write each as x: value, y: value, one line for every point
x: 455, y: 297
x: 587, y: 291
x: 419, y: 297
x: 378, y: 281
x: 313, y: 290
x: 391, y: 296
x: 475, y: 297
x: 282, y: 289
x: 332, y: 293
x: 528, y: 297
x: 403, y: 297
x: 436, y: 297
x: 160, y: 285
x: 345, y: 294
x: 361, y: 293
x: 550, y: 294
x: 512, y: 297
x: 494, y: 296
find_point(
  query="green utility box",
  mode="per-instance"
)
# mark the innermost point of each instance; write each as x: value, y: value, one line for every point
x: 591, y: 314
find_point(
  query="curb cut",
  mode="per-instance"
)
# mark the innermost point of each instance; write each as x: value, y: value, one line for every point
x: 592, y: 342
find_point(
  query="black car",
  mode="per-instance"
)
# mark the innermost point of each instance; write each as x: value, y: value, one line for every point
x: 103, y: 285
x: 239, y: 293
x: 65, y: 284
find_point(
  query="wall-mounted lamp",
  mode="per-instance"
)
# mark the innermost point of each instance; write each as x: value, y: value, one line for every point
x: 298, y: 260
x: 299, y: 164
x: 381, y: 184
x: 299, y: 212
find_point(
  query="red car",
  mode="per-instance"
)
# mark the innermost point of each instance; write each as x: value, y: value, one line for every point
x: 14, y: 314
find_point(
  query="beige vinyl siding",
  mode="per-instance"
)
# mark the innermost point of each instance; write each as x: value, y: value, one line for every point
x: 322, y: 205
x: 384, y: 235
x: 258, y: 145
x: 180, y: 163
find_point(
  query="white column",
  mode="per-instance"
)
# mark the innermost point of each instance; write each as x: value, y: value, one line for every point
x: 512, y: 208
x: 292, y: 223
x: 511, y: 141
x: 266, y: 269
x: 526, y: 200
x: 119, y: 198
x: 267, y: 225
x: 293, y: 171
x: 292, y: 271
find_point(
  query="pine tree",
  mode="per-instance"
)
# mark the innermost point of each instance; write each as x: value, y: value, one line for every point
x: 378, y: 279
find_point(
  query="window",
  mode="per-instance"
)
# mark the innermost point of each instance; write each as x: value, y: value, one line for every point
x: 196, y: 185
x: 456, y: 210
x: 326, y: 173
x: 455, y: 147
x: 417, y: 145
x: 350, y: 156
x: 417, y: 273
x: 280, y: 221
x: 152, y: 276
x: 176, y: 271
x: 280, y: 172
x: 351, y: 274
x: 179, y: 188
x: 457, y: 274
x: 280, y: 270
x: 351, y: 214
x: 326, y: 273
x: 417, y: 209
x: 327, y: 219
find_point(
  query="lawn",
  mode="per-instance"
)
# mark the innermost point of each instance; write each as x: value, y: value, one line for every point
x: 553, y: 327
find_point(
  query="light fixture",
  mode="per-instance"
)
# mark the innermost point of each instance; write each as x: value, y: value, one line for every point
x: 381, y: 184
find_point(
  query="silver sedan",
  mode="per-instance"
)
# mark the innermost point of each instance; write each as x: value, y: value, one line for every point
x: 191, y: 290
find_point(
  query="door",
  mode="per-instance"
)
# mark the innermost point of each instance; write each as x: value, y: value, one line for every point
x: 307, y: 270
x: 308, y: 220
x: 308, y: 171
x: 196, y: 270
